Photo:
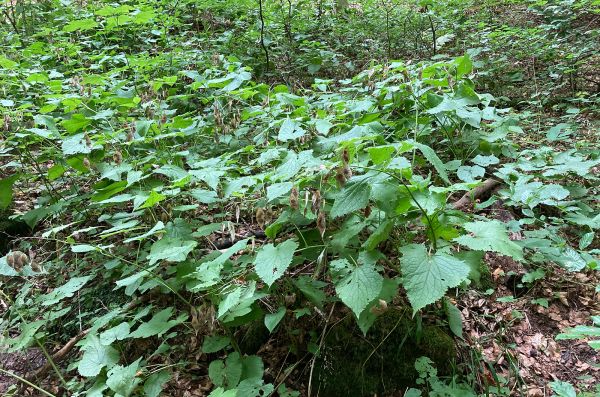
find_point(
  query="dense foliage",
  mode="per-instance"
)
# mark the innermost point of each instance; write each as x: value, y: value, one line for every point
x: 192, y: 170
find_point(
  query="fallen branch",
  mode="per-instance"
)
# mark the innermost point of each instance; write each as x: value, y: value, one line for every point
x: 469, y: 197
x: 57, y: 357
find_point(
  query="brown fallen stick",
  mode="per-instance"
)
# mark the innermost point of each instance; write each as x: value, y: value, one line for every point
x: 60, y: 354
x: 57, y: 357
x: 469, y: 197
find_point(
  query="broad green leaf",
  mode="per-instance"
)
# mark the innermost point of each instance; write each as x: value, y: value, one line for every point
x: 171, y: 249
x: 123, y: 380
x: 323, y: 126
x: 6, y: 191
x: 454, y: 318
x: 433, y: 158
x: 65, y: 291
x: 215, y: 343
x: 353, y: 197
x: 426, y: 277
x: 158, y: 324
x: 238, y: 301
x: 208, y: 273
x: 118, y: 332
x: 226, y: 373
x: 272, y: 261
x: 272, y: 319
x: 490, y: 236
x: 563, y: 389
x: 290, y: 129
x: 27, y: 336
x: 470, y: 173
x: 76, y: 123
x: 81, y: 24
x: 463, y: 66
x: 278, y: 189
x: 96, y: 356
x: 361, y: 286
x: 220, y: 392
x: 6, y: 63
x: 152, y: 200
x: 83, y: 248
x: 379, y: 235
x: 154, y: 384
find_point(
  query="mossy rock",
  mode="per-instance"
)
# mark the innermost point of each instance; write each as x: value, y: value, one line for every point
x: 9, y: 230
x: 382, y: 362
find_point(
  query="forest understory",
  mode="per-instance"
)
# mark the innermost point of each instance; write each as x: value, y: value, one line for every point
x: 299, y: 198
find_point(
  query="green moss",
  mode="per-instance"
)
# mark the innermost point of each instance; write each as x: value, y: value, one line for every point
x: 382, y: 363
x: 485, y: 279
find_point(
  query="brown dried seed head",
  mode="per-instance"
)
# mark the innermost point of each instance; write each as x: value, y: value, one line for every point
x: 17, y: 260
x: 164, y: 217
x: 260, y: 217
x: 118, y: 157
x: 294, y: 198
x: 340, y: 177
x: 347, y: 172
x: 367, y: 211
x: 317, y: 201
x: 86, y: 162
x: 379, y: 308
x: 345, y: 155
x: 10, y: 259
x: 322, y: 223
x: 7, y: 122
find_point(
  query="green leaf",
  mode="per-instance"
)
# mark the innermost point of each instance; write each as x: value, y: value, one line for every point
x: 122, y: 380
x: 215, y: 343
x: 65, y: 291
x: 272, y: 319
x: 353, y: 197
x: 75, y: 144
x: 152, y: 200
x: 271, y: 262
x: 76, y: 123
x: 433, y: 158
x: 323, y: 126
x: 381, y: 154
x: 118, y: 332
x: 171, y: 249
x: 312, y: 289
x: 220, y: 392
x: 470, y: 173
x: 563, y: 389
x: 290, y: 129
x: 154, y: 384
x: 379, y: 235
x: 490, y: 236
x: 586, y: 240
x: 81, y: 24
x: 278, y: 189
x: 6, y: 63
x: 361, y: 286
x: 6, y: 191
x: 158, y: 324
x: 96, y: 356
x: 27, y: 336
x: 463, y: 66
x: 426, y: 278
x: 226, y: 373
x: 454, y: 318
x: 83, y: 248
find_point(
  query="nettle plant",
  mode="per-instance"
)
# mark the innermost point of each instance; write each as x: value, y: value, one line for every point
x: 145, y: 162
